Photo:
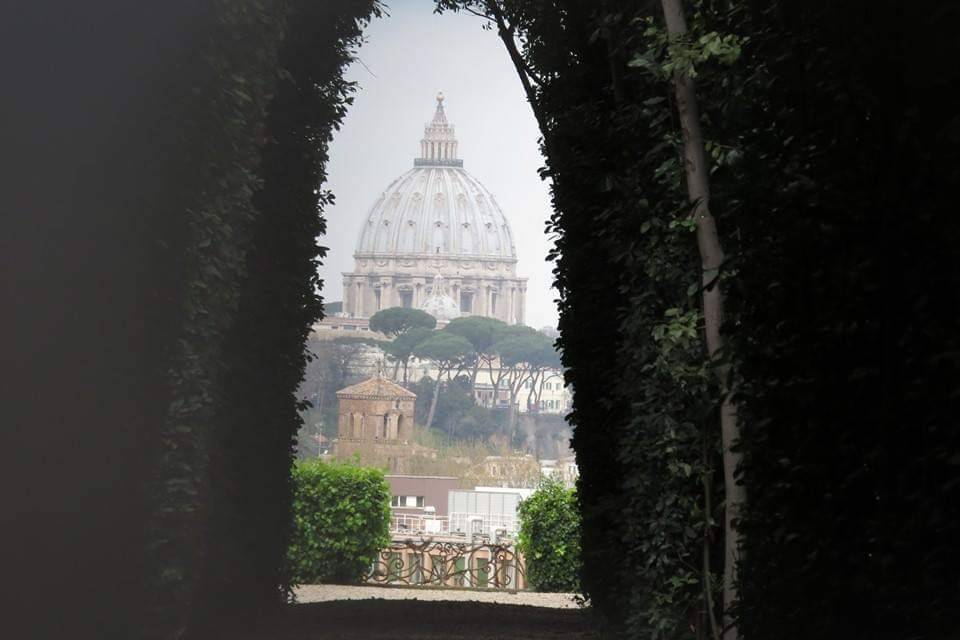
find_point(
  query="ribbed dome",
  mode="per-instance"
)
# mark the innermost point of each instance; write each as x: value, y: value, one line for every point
x: 437, y: 208
x: 436, y: 220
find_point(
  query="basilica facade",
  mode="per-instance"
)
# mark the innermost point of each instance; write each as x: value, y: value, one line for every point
x: 436, y: 239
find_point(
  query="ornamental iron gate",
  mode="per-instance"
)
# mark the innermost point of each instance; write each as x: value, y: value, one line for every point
x: 449, y: 564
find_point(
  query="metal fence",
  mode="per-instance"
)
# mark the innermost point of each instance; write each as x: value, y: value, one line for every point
x: 449, y: 564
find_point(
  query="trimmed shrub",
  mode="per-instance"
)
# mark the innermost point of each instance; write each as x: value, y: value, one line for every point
x: 550, y: 538
x: 341, y: 517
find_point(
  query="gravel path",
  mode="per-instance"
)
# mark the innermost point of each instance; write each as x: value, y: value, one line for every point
x: 330, y: 592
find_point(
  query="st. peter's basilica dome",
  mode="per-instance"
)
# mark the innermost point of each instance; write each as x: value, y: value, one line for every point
x: 436, y: 219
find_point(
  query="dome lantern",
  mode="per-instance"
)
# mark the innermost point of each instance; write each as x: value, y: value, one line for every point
x: 438, y: 148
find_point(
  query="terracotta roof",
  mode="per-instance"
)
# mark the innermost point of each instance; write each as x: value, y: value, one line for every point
x: 377, y: 387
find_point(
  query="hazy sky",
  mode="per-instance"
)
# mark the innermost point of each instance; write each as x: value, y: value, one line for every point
x: 411, y: 55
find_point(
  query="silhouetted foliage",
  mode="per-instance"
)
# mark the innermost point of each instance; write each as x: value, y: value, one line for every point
x: 253, y: 414
x: 841, y: 208
x: 623, y: 269
x: 835, y: 155
x: 212, y: 121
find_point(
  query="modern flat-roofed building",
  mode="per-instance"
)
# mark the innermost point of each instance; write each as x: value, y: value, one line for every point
x: 413, y: 494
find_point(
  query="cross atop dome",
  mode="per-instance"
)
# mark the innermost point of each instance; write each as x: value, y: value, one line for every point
x: 439, y: 117
x: 438, y: 148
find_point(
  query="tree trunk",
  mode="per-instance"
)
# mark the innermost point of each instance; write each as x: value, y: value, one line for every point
x: 515, y: 385
x: 715, y: 632
x: 711, y: 258
x: 433, y: 402
x: 532, y: 392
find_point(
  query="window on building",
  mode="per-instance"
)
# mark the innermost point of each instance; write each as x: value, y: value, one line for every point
x: 407, y: 501
x: 376, y: 296
x: 406, y: 299
x: 493, y: 304
x: 466, y: 302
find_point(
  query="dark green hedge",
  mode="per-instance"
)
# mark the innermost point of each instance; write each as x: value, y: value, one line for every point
x: 843, y: 221
x: 247, y: 257
x: 834, y: 155
x: 341, y: 519
x: 280, y: 300
x: 643, y: 414
x: 550, y: 538
x: 182, y: 250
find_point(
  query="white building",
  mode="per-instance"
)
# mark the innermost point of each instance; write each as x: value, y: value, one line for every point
x: 553, y: 396
x: 563, y: 469
x: 436, y: 219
